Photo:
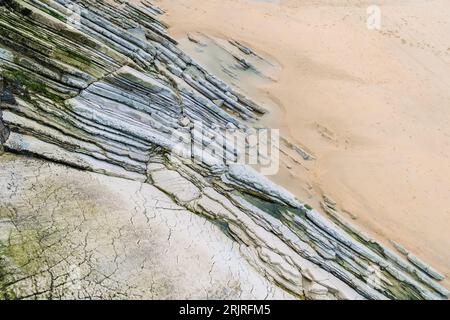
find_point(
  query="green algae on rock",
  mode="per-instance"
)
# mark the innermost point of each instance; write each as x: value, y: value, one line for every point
x: 103, y: 98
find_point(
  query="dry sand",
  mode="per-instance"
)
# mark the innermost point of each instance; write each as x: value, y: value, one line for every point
x: 372, y: 106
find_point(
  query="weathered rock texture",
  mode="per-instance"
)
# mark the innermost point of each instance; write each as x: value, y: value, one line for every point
x: 104, y: 92
x: 84, y: 235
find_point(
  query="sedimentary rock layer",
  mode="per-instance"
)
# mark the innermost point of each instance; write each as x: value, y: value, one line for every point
x: 101, y: 87
x: 74, y: 234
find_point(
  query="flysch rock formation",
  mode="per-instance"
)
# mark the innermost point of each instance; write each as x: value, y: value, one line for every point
x: 84, y: 235
x: 98, y: 201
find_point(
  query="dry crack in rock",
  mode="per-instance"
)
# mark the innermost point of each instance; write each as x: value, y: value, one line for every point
x: 94, y: 203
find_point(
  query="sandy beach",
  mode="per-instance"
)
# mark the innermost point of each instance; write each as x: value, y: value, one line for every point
x: 371, y: 106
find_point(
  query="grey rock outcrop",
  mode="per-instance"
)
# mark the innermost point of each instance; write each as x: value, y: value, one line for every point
x: 106, y: 91
x: 82, y: 235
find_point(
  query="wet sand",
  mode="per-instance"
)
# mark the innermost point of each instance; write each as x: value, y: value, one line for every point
x: 371, y: 106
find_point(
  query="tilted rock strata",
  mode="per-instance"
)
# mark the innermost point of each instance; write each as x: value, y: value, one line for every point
x: 107, y: 93
x: 82, y: 235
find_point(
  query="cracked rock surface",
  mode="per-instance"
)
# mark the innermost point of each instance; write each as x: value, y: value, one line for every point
x: 72, y: 234
x: 97, y: 200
